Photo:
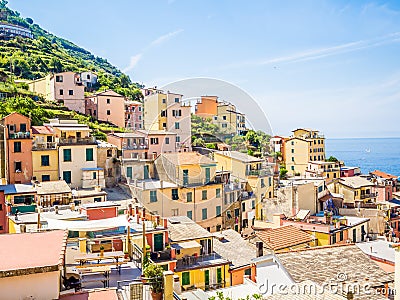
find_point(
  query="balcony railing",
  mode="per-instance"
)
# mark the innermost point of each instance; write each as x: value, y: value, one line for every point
x: 78, y: 141
x: 372, y: 195
x: 229, y: 187
x: 161, y: 255
x: 189, y: 262
x: 260, y: 172
x: 19, y: 135
x: 136, y: 147
x: 44, y: 146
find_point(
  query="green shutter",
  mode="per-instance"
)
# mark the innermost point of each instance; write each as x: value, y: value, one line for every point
x: 204, y: 213
x: 207, y: 277
x: 158, y: 242
x: 89, y: 154
x: 153, y: 196
x: 218, y: 193
x: 218, y: 210
x: 219, y: 275
x: 185, y: 278
x: 129, y: 172
x: 189, y: 197
x: 67, y: 154
x: 67, y: 176
x: 204, y: 195
x: 189, y: 214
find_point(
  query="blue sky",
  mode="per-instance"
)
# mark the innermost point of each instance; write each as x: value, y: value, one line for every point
x: 329, y: 65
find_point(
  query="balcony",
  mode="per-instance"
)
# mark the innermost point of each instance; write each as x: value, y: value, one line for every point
x: 44, y: 146
x: 208, y: 260
x: 372, y: 195
x: 136, y: 147
x: 194, y: 182
x: 230, y: 187
x: 260, y: 172
x: 19, y: 135
x: 78, y: 141
x: 161, y: 255
x: 247, y: 195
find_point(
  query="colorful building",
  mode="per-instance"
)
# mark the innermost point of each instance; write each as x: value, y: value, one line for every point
x: 167, y: 111
x: 325, y: 169
x: 108, y: 160
x: 304, y: 146
x: 44, y: 154
x: 18, y: 148
x: 133, y: 115
x: 65, y: 87
x: 206, y: 107
x: 107, y: 106
x: 197, y: 264
x: 77, y: 152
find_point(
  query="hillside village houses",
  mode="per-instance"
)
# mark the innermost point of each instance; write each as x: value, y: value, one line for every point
x: 185, y: 211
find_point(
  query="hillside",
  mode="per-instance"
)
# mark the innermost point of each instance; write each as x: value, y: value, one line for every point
x: 25, y: 58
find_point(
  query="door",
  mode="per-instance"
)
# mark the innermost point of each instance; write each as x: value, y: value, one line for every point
x: 158, y: 242
x: 354, y: 235
x: 185, y: 177
x: 207, y: 278
x: 207, y: 175
x: 219, y: 275
x: 146, y: 172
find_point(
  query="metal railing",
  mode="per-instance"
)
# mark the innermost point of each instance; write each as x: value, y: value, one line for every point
x: 91, y: 140
x: 44, y: 145
x: 188, y: 262
x: 136, y: 147
x: 19, y: 135
x: 260, y: 172
x: 371, y: 195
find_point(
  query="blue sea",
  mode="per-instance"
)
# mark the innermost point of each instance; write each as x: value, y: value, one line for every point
x: 367, y: 153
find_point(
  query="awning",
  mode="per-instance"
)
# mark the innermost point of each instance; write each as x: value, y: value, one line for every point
x: 94, y: 225
x: 186, y: 245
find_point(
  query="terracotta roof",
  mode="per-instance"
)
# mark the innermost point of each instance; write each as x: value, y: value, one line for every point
x: 187, y: 158
x: 42, y: 130
x: 383, y: 174
x: 49, y: 249
x: 283, y: 237
x: 326, y: 264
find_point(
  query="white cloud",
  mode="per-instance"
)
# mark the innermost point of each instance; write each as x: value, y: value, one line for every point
x: 158, y: 41
x: 322, y: 52
x: 133, y: 62
x: 165, y: 37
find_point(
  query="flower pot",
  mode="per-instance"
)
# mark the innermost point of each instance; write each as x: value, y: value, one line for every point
x: 156, y: 296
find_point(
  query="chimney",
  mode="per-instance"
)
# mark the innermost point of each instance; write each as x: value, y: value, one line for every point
x: 278, y: 219
x: 259, y: 246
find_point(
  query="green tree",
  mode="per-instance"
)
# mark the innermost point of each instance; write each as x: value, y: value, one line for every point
x: 29, y: 20
x: 282, y: 173
x: 332, y: 159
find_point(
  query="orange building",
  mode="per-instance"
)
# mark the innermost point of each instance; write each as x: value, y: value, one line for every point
x: 18, y: 141
x: 100, y: 210
x: 207, y: 107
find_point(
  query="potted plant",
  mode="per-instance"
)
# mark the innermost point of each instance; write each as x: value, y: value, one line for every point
x: 126, y: 253
x: 101, y: 250
x: 154, y: 276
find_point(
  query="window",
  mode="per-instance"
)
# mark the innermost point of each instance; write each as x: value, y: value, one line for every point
x: 67, y: 176
x: 185, y: 278
x: 153, y: 196
x: 164, y: 100
x: 292, y: 167
x: 176, y: 125
x: 292, y: 158
x: 67, y: 154
x: 109, y: 172
x: 189, y: 214
x: 59, y: 78
x: 164, y: 125
x: 253, y: 204
x: 71, y: 92
x: 22, y: 127
x: 247, y: 272
x: 17, y: 146
x: 204, y: 214
x: 224, y: 118
x: 189, y: 197
x: 87, y: 76
x: 224, y: 125
x: 262, y: 182
x: 341, y: 236
x: 108, y: 112
x: 109, y: 153
x: 219, y: 275
x: 163, y: 113
x: 61, y: 92
x: 45, y: 160
x: 175, y: 212
x: 218, y: 211
x: 243, y: 206
x: 97, y: 199
x: 218, y: 193
x: 89, y: 154
x: 18, y: 167
x: 176, y: 100
x: 292, y: 150
x: 129, y: 172
x: 45, y: 177
x: 175, y: 195
x: 333, y: 239
x: 108, y: 101
x: 167, y: 140
x: 94, y: 175
x: 178, y: 139
x: 204, y: 195
x: 154, y: 141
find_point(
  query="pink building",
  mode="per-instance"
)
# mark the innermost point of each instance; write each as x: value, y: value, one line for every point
x: 107, y: 106
x: 133, y: 115
x: 67, y: 87
x: 160, y: 141
x: 386, y: 185
x: 349, y: 171
x: 131, y: 144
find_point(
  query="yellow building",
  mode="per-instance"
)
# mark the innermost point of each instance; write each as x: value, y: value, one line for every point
x: 197, y: 265
x: 254, y: 171
x: 355, y: 190
x: 229, y: 120
x: 305, y: 145
x: 325, y: 169
x: 186, y: 185
x: 44, y: 154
